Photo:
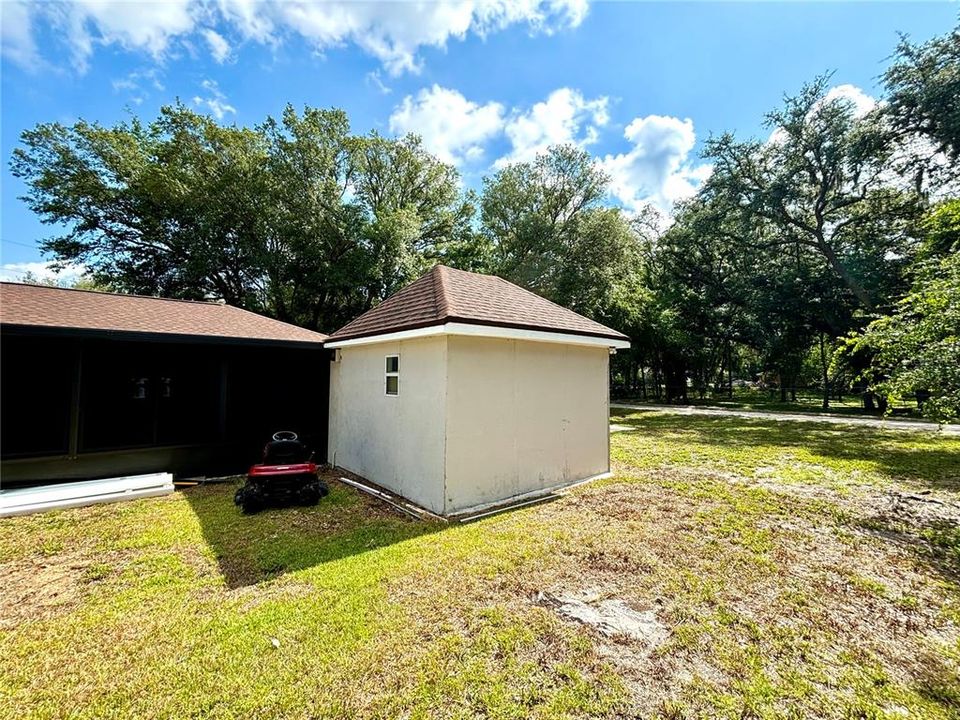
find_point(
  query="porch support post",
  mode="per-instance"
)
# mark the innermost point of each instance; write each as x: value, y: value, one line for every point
x: 73, y: 446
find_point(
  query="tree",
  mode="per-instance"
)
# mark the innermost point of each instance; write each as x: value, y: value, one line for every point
x: 549, y: 232
x: 941, y: 230
x: 916, y: 349
x: 820, y: 181
x: 703, y: 286
x: 79, y: 283
x: 923, y: 84
x: 297, y: 218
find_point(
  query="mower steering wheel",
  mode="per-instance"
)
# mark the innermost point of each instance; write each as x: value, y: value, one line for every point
x: 281, y: 435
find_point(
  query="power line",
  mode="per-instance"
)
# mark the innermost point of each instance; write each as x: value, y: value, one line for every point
x: 21, y: 244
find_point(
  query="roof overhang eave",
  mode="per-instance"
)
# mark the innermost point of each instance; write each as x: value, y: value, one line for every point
x: 502, y: 332
x: 138, y: 336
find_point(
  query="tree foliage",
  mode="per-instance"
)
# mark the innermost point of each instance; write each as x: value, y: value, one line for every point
x: 924, y: 84
x: 297, y: 217
x: 817, y: 186
x: 840, y: 227
x: 548, y: 230
x: 916, y: 349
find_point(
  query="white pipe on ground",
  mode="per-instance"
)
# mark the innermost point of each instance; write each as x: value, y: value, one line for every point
x: 24, y: 501
x: 406, y: 508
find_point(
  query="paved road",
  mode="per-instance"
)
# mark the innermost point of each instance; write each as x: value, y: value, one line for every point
x: 798, y: 417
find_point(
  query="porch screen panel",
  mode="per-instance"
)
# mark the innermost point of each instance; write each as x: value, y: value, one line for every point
x: 36, y: 385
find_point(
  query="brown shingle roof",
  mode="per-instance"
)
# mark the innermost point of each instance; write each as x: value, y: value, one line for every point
x: 447, y: 295
x: 50, y: 307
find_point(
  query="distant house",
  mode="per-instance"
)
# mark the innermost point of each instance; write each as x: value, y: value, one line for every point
x: 97, y: 384
x: 463, y: 390
x: 458, y: 392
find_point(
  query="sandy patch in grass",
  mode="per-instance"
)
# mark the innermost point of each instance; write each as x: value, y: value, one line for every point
x: 38, y: 589
x: 752, y: 588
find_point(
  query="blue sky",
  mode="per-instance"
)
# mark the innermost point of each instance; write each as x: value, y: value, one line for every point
x: 639, y: 85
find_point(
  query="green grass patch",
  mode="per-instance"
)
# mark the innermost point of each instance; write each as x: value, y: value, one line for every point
x: 783, y: 592
x: 807, y: 402
x: 824, y: 455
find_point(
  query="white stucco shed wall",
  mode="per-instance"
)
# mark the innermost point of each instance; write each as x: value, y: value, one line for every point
x: 394, y: 441
x: 521, y: 417
x: 478, y: 420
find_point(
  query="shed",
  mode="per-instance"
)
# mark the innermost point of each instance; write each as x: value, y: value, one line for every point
x: 464, y: 391
x: 99, y: 384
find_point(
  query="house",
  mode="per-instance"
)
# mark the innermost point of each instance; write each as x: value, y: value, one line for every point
x: 97, y: 385
x: 463, y: 391
x: 459, y: 392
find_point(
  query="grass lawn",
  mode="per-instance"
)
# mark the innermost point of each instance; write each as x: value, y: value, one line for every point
x: 807, y: 402
x: 797, y: 570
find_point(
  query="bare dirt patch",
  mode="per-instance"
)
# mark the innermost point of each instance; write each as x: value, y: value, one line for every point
x: 781, y: 579
x: 39, y: 589
x: 609, y: 616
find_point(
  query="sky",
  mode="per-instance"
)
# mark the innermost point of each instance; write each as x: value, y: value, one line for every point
x: 485, y: 83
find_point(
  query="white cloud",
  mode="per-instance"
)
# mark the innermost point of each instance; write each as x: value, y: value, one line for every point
x: 545, y: 17
x: 374, y: 79
x: 858, y: 99
x: 564, y: 117
x: 15, y: 272
x: 457, y: 130
x: 125, y: 83
x: 453, y: 128
x: 657, y: 170
x: 148, y: 27
x: 215, y: 102
x: 137, y: 84
x: 392, y: 32
x: 16, y: 35
x: 250, y: 19
x: 219, y: 47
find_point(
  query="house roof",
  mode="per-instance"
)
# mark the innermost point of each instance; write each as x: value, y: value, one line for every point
x: 447, y: 295
x: 42, y: 307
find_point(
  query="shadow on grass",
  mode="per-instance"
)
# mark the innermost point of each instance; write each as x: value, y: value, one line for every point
x: 251, y: 549
x: 924, y: 458
x: 940, y: 683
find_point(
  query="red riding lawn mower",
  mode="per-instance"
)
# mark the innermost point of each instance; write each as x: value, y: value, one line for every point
x: 287, y: 476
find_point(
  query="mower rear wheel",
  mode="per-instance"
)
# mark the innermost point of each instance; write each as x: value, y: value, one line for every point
x: 250, y: 499
x: 311, y: 492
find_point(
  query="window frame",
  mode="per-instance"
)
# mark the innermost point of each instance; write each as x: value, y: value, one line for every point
x: 387, y: 374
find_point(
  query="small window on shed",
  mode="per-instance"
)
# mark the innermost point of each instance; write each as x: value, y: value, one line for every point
x: 392, y: 375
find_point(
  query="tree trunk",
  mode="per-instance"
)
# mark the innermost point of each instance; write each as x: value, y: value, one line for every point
x: 730, y: 370
x: 826, y: 379
x: 851, y: 282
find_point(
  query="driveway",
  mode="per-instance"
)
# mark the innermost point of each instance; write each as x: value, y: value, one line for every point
x: 880, y: 423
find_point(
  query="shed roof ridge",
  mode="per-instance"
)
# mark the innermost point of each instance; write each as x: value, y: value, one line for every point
x: 445, y: 294
x: 441, y: 293
x: 540, y: 297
